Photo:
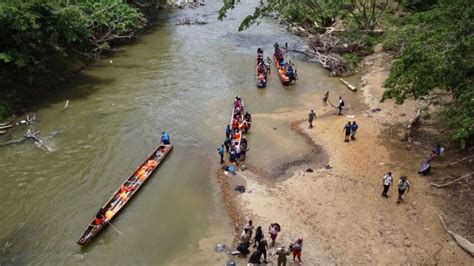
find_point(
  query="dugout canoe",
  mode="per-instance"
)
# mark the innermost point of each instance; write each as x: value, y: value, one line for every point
x: 120, y: 198
x: 285, y: 80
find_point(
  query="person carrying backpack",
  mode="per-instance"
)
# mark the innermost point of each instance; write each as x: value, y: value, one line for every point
x: 403, y: 187
x: 340, y: 106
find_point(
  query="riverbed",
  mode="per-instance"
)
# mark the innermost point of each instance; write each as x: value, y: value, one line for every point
x: 179, y: 79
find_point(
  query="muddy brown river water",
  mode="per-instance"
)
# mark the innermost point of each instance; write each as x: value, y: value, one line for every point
x: 181, y: 79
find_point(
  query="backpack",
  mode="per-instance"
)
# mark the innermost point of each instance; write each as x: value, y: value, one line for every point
x: 403, y: 185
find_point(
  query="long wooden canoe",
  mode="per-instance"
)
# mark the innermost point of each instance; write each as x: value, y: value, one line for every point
x: 237, y: 141
x: 120, y: 198
x: 285, y: 80
x: 261, y: 83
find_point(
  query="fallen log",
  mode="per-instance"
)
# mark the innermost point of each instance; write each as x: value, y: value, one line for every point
x: 461, y: 241
x: 449, y: 183
x: 5, y: 127
x: 348, y: 85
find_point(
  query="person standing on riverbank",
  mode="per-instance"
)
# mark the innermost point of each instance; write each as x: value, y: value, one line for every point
x: 403, y: 187
x: 258, y: 236
x: 282, y: 253
x: 220, y: 151
x: 347, y: 129
x: 228, y: 131
x: 340, y: 106
x: 326, y: 98
x: 354, y: 129
x: 297, y: 248
x: 273, y: 230
x: 262, y: 248
x: 387, y: 182
x: 311, y: 117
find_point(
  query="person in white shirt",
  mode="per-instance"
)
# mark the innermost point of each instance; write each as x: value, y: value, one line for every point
x: 403, y: 186
x: 387, y: 182
x: 249, y: 226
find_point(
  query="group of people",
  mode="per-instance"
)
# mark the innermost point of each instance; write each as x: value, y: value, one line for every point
x: 350, y: 130
x: 289, y: 68
x: 261, y: 245
x: 236, y: 144
x: 403, y: 185
x: 263, y: 67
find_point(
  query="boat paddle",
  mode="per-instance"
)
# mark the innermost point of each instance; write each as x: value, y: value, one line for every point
x: 114, y: 228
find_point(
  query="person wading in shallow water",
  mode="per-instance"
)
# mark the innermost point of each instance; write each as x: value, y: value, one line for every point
x: 311, y: 117
x: 387, y: 182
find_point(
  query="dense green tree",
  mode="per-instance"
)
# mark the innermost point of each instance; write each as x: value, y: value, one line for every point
x: 44, y: 39
x: 435, y: 50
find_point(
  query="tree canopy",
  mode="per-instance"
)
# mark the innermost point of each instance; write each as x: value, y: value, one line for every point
x: 435, y: 50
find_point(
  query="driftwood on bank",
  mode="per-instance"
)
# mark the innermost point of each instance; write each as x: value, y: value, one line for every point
x: 451, y: 182
x: 461, y: 241
x: 470, y: 158
x: 348, y: 85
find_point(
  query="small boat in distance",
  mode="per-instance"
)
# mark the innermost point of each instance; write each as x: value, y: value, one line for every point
x: 126, y: 191
x: 261, y: 69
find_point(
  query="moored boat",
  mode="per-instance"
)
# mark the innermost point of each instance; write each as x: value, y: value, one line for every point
x: 123, y: 195
x: 261, y: 70
x: 286, y: 71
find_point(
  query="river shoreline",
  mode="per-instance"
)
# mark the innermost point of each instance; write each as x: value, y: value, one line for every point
x: 338, y: 210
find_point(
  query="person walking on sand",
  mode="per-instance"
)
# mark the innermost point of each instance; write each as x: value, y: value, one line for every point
x: 387, y: 182
x: 297, y: 248
x: 403, y: 187
x: 273, y: 231
x: 282, y: 253
x: 326, y: 97
x: 249, y: 226
x: 347, y: 129
x: 340, y: 106
x: 258, y: 236
x: 311, y: 117
x: 354, y: 129
x: 262, y: 247
x: 220, y: 151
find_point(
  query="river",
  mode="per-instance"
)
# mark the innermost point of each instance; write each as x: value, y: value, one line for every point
x: 179, y: 79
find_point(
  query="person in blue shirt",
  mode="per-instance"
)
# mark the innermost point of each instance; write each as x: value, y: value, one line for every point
x: 354, y: 129
x: 165, y: 138
x: 347, y: 129
x: 220, y: 151
x: 228, y: 131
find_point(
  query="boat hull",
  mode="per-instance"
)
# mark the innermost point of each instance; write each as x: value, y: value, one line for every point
x: 114, y: 203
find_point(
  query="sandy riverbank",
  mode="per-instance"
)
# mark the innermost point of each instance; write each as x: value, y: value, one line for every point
x: 339, y: 211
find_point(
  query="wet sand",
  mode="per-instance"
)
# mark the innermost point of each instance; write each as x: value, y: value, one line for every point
x: 339, y: 212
